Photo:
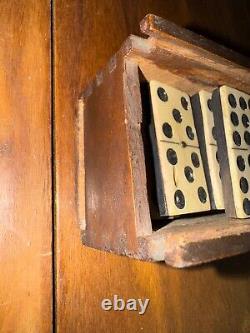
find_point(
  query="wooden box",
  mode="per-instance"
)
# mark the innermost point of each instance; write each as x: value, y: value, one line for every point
x: 115, y: 181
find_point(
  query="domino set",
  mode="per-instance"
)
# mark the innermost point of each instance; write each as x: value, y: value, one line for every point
x: 163, y: 140
x: 201, y: 150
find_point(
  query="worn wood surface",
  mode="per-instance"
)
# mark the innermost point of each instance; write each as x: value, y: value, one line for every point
x: 159, y: 28
x: 109, y: 195
x: 25, y: 167
x: 192, y: 241
x: 214, y: 297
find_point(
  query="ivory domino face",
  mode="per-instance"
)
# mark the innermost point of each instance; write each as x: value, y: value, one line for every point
x: 204, y: 121
x: 181, y: 177
x: 233, y: 115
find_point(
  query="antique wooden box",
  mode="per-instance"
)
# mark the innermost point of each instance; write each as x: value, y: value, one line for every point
x: 115, y: 181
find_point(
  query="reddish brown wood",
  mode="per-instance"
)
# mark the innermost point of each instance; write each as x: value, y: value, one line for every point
x: 25, y: 167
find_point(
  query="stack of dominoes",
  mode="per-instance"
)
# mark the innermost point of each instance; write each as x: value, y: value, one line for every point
x: 201, y: 148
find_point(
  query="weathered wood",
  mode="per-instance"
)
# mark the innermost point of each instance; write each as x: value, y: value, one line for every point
x: 159, y: 28
x: 189, y: 68
x: 25, y: 167
x: 109, y: 192
x: 192, y: 241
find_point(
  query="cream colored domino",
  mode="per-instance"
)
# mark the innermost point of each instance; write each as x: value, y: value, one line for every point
x: 180, y: 172
x: 232, y: 118
x: 206, y: 131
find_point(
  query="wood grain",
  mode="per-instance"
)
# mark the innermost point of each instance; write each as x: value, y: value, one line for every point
x: 25, y: 167
x: 214, y: 298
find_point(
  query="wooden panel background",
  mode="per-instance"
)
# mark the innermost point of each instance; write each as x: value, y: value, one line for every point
x: 211, y: 298
x: 25, y: 167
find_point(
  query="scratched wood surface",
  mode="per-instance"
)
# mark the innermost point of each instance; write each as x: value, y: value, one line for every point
x: 211, y: 298
x: 25, y: 167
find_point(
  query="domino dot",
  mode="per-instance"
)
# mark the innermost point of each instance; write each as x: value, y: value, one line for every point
x: 217, y: 157
x: 190, y: 132
x: 247, y: 137
x: 245, y: 120
x: 244, y: 185
x: 237, y: 138
x: 209, y: 104
x: 202, y: 194
x: 172, y: 156
x: 183, y: 143
x: 167, y: 130
x: 246, y: 206
x: 249, y: 160
x: 177, y: 115
x: 179, y: 199
x: 189, y: 174
x: 234, y: 118
x: 195, y: 160
x: 241, y: 163
x: 249, y: 104
x: 232, y: 100
x: 184, y: 103
x: 214, y: 133
x: 243, y: 103
x: 161, y: 92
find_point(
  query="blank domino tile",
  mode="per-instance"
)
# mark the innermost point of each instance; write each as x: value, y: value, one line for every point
x: 204, y: 123
x: 180, y: 177
x: 232, y: 119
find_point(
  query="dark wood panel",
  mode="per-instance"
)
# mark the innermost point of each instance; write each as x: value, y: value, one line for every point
x: 214, y: 297
x: 25, y: 167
